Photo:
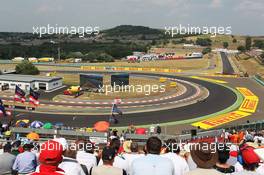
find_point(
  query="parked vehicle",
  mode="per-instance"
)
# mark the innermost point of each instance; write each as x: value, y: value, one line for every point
x: 133, y: 59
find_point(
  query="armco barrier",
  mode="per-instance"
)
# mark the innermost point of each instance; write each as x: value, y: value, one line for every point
x: 50, y: 133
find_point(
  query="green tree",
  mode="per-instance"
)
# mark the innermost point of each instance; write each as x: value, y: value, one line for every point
x: 204, y: 41
x: 225, y: 45
x: 26, y: 68
x: 91, y: 56
x: 75, y: 55
x: 259, y: 44
x: 206, y: 50
x: 104, y: 57
x: 248, y: 43
x: 241, y: 48
x: 234, y: 40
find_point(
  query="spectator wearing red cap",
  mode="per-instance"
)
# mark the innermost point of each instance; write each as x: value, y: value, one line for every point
x: 50, y: 157
x: 250, y: 161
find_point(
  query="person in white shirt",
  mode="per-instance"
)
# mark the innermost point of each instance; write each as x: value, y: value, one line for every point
x: 107, y: 167
x: 152, y: 163
x: 69, y: 163
x: 172, y: 153
x: 119, y: 160
x: 131, y: 154
x: 85, y: 155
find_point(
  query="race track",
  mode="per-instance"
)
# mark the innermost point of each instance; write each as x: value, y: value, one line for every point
x: 227, y: 67
x: 219, y: 99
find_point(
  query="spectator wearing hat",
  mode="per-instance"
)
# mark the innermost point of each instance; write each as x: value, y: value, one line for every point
x: 172, y: 152
x: 25, y: 162
x: 223, y: 156
x: 7, y: 160
x: 132, y: 153
x: 152, y: 163
x: 108, y: 157
x: 250, y: 160
x: 205, y: 157
x: 50, y: 157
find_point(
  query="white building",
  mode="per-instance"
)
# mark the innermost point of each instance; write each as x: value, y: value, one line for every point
x: 26, y: 82
x: 195, y: 55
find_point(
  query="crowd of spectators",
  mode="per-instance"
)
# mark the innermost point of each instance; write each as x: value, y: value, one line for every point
x: 238, y: 153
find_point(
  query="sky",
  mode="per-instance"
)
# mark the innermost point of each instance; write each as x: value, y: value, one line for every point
x: 246, y: 17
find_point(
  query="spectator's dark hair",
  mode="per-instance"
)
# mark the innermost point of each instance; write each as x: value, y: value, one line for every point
x: 115, y: 143
x: 154, y: 145
x: 7, y: 147
x: 223, y: 154
x: 28, y: 147
x: 86, y: 146
x: 172, y: 146
x: 250, y: 167
x: 134, y: 147
x: 71, y: 153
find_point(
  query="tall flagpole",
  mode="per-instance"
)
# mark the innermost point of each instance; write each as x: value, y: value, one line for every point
x: 14, y: 109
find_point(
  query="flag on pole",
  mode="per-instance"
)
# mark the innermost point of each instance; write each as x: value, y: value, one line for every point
x: 19, y: 95
x: 33, y: 97
x: 2, y: 108
x: 115, y: 109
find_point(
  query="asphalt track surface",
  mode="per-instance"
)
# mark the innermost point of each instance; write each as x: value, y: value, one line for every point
x: 190, y: 91
x: 227, y: 67
x: 219, y: 99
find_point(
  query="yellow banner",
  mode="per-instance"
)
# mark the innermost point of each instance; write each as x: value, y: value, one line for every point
x: 129, y: 69
x: 221, y: 119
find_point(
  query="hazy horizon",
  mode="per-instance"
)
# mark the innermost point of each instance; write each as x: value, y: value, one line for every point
x: 244, y: 16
